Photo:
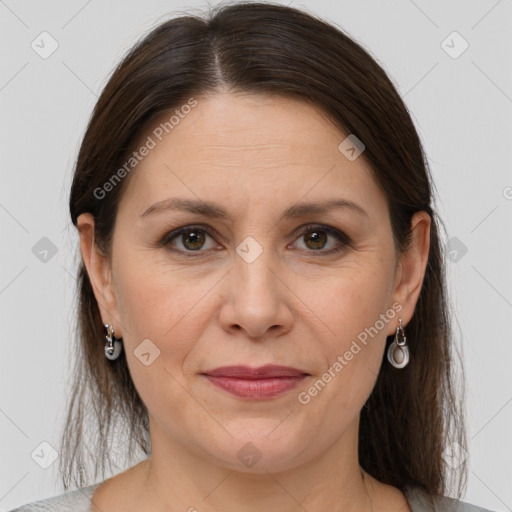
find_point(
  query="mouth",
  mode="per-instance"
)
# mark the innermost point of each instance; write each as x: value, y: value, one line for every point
x: 259, y: 383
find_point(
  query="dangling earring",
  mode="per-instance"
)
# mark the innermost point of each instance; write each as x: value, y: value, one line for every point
x: 113, y: 345
x: 398, y: 352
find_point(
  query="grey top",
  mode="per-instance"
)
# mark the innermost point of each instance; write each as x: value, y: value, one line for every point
x: 80, y: 501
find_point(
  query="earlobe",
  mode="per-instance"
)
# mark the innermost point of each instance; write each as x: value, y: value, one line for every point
x: 98, y: 268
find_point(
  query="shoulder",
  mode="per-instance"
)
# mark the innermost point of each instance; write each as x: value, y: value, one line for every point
x: 420, y: 501
x: 78, y: 500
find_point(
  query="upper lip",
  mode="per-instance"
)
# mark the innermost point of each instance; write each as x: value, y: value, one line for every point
x: 262, y: 372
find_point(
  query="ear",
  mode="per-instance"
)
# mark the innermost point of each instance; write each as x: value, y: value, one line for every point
x: 99, y: 271
x: 412, y: 267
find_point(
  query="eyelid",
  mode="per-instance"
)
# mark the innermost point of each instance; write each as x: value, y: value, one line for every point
x: 344, y: 240
x: 342, y: 237
x: 166, y: 239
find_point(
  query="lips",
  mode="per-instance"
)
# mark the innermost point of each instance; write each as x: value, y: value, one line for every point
x: 260, y: 383
x: 262, y: 372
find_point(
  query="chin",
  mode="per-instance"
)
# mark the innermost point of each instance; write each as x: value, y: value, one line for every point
x: 257, y: 446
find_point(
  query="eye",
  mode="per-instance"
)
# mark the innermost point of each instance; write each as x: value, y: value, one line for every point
x: 315, y: 238
x: 191, y: 239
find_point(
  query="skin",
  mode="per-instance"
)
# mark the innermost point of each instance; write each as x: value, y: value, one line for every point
x: 255, y: 156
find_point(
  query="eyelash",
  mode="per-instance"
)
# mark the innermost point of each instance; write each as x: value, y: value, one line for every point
x: 342, y: 238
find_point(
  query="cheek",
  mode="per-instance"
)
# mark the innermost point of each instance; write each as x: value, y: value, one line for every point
x: 154, y: 305
x: 148, y: 294
x: 157, y: 303
x: 353, y: 308
x: 143, y: 299
x: 348, y: 300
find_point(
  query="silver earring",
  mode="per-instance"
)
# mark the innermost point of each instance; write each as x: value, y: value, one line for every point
x: 113, y: 345
x: 398, y: 352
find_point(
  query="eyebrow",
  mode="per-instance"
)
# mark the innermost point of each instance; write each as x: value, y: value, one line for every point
x: 213, y: 210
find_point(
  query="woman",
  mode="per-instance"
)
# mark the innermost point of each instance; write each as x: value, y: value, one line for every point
x: 262, y: 303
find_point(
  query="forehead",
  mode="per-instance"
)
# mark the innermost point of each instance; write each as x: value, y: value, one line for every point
x: 248, y: 149
x: 237, y: 127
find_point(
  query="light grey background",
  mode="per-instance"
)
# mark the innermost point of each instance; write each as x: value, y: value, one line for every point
x: 461, y: 106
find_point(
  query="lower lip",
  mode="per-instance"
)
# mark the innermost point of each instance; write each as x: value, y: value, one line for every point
x: 256, y: 389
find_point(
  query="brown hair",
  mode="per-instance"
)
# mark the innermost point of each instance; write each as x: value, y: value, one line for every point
x: 412, y: 414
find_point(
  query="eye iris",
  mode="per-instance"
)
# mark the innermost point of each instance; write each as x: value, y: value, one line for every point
x: 194, y: 240
x: 195, y: 237
x: 316, y: 237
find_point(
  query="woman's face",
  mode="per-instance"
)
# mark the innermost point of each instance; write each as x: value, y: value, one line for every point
x: 257, y: 286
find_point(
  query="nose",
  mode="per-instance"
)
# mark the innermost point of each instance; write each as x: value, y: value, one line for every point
x: 256, y: 299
